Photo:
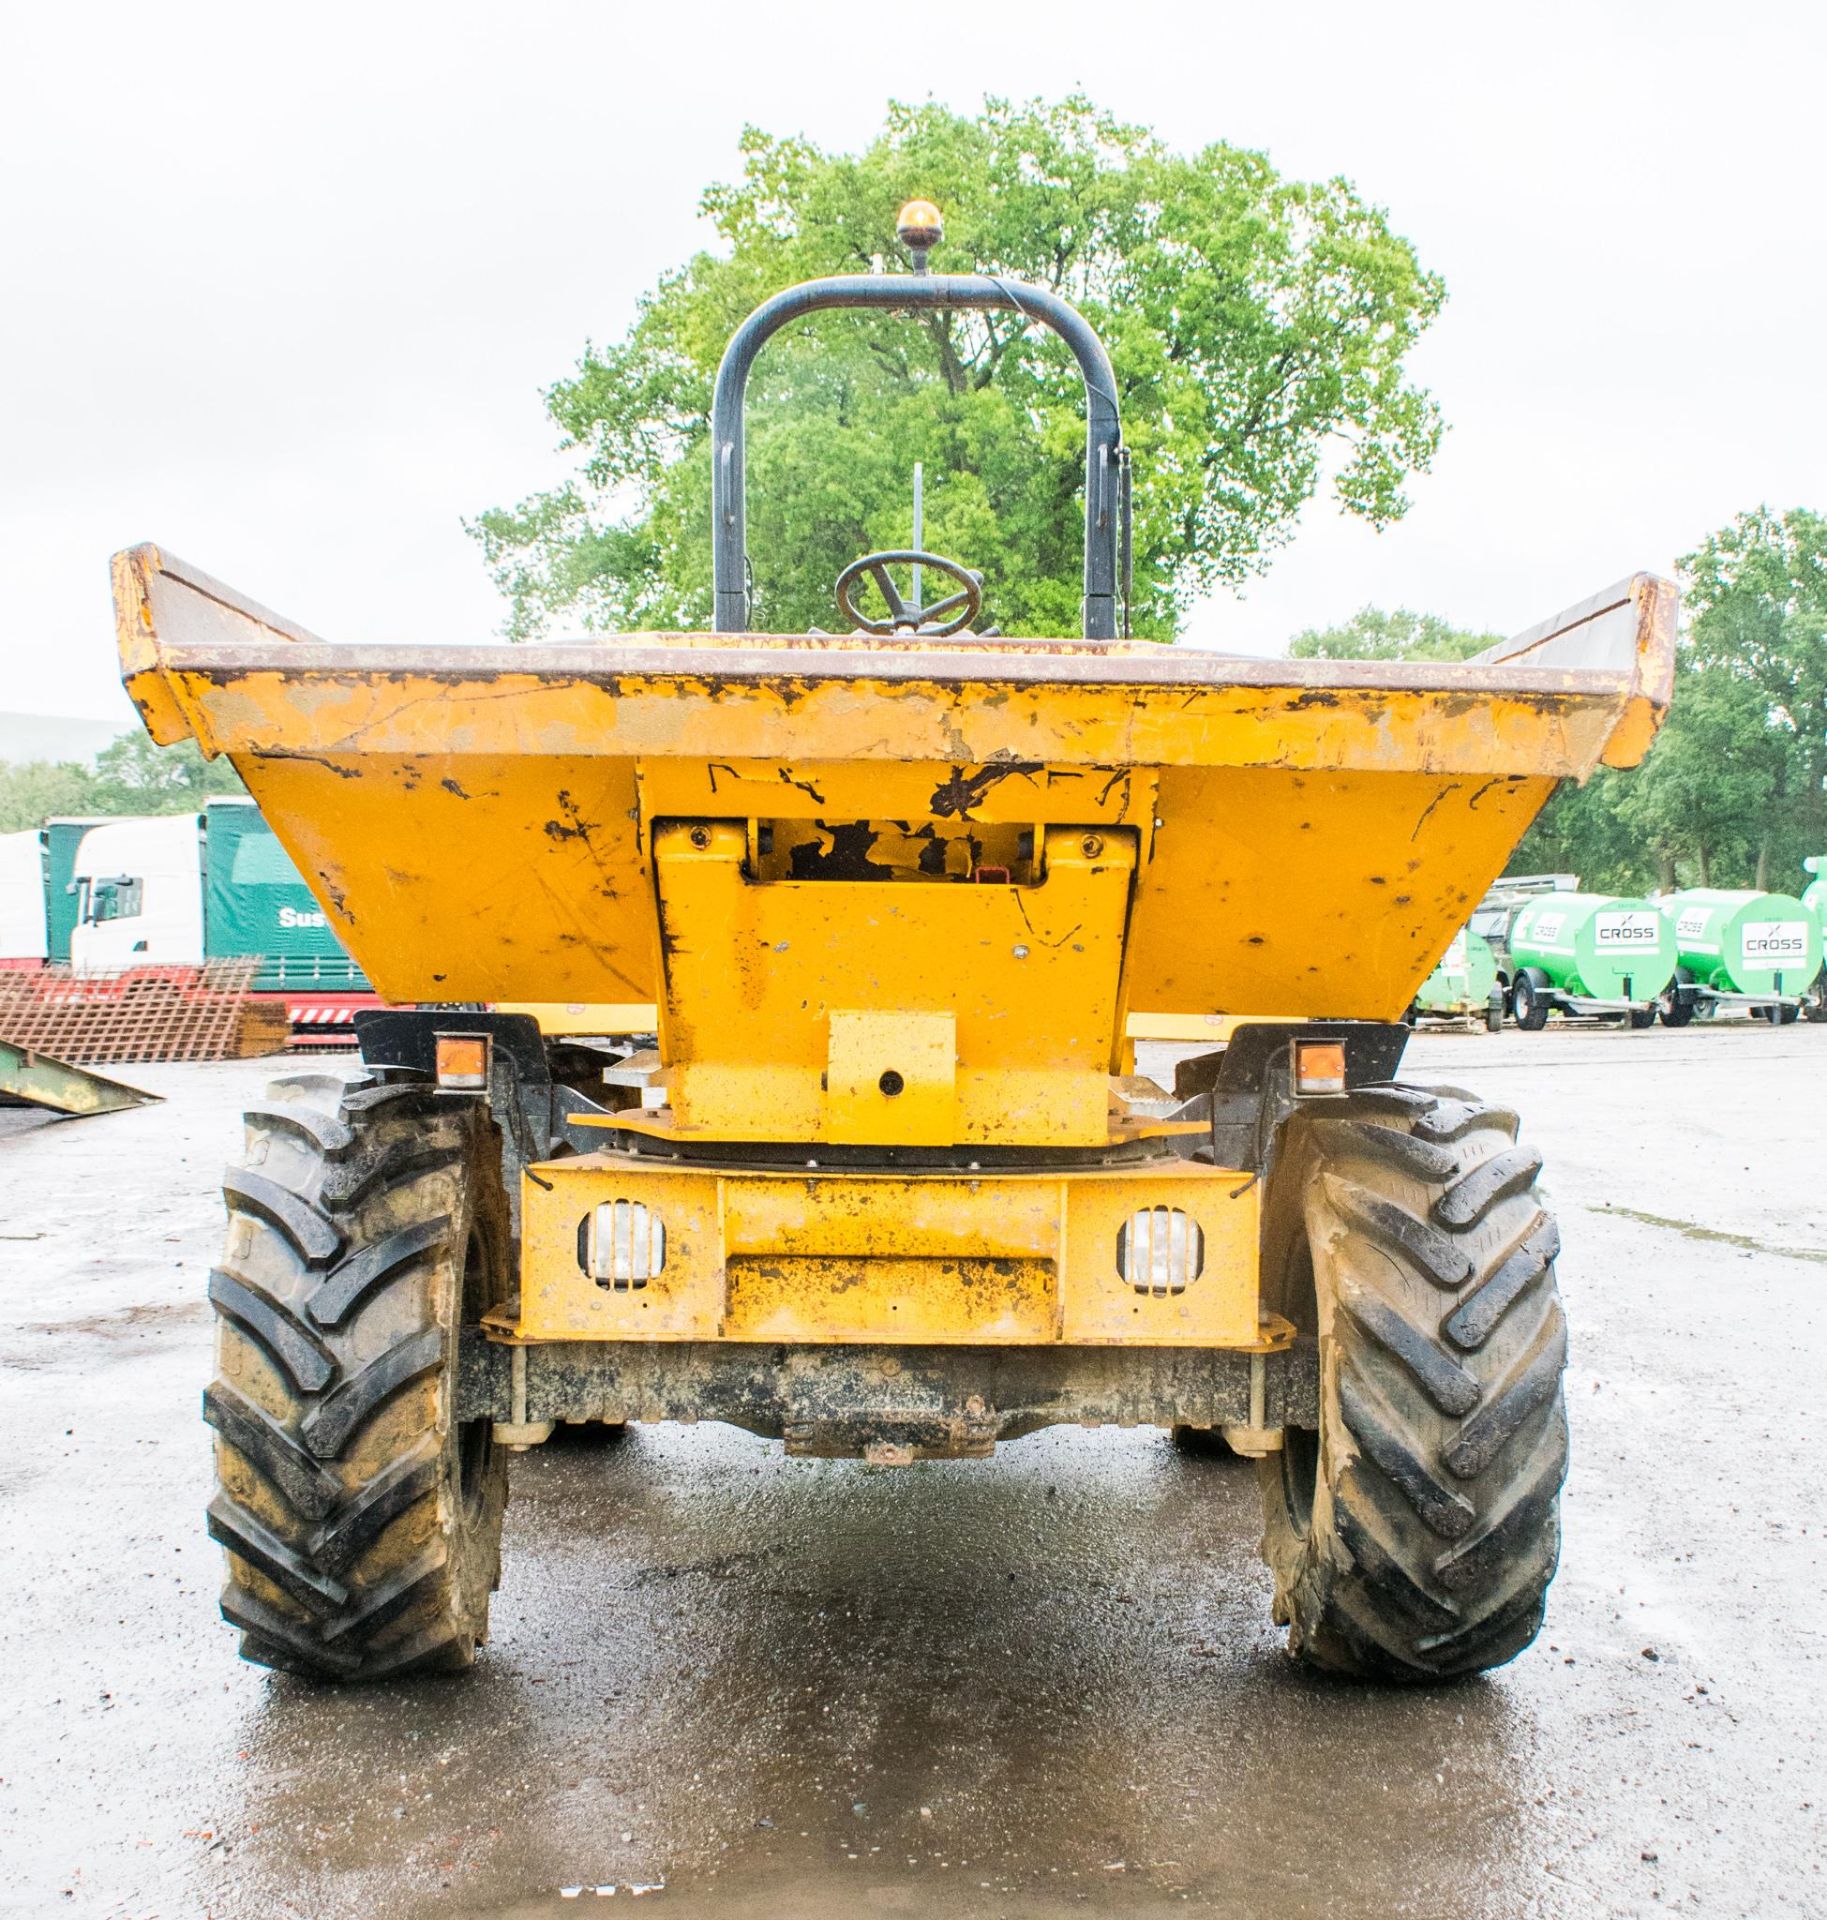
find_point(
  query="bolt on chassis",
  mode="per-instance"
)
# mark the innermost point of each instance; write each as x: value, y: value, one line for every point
x: 884, y: 1182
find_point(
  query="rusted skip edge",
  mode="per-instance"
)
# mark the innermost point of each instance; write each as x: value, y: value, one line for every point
x: 1574, y: 633
x: 637, y: 659
x: 148, y: 584
x: 142, y: 665
x: 279, y: 718
x: 213, y: 631
x: 1658, y: 620
x: 206, y: 626
x: 1629, y: 627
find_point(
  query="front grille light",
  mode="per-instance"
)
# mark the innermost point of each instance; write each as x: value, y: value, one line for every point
x: 1160, y: 1251
x: 624, y: 1244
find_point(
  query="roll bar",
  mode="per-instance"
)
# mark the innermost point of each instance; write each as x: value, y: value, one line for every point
x: 1106, y: 491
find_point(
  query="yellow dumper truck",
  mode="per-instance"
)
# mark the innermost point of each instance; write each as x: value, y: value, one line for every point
x: 889, y: 1186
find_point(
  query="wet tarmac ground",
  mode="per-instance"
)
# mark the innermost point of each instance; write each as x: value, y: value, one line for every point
x: 1043, y: 1684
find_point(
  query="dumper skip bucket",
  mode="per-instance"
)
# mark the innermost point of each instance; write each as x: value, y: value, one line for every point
x: 1058, y: 832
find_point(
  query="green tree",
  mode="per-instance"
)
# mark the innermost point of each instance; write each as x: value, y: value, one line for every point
x: 1688, y: 816
x: 1694, y: 808
x: 1372, y: 634
x: 1757, y: 616
x: 1581, y: 830
x: 1256, y: 324
x: 1731, y: 794
x: 134, y: 776
x: 33, y: 791
x: 129, y: 776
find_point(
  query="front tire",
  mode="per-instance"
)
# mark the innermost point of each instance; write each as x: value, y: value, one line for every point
x: 1414, y: 1533
x: 362, y: 1523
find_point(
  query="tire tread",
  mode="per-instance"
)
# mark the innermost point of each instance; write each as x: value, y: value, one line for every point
x: 351, y: 1554
x: 1443, y: 1445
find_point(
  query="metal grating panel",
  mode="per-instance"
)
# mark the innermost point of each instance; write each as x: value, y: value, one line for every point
x: 147, y: 1013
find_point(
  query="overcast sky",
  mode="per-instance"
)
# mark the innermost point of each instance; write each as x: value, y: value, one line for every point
x: 282, y: 285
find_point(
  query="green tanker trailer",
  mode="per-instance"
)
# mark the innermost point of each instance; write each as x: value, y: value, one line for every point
x: 1740, y: 948
x: 1814, y: 897
x: 1589, y: 953
x: 1464, y: 985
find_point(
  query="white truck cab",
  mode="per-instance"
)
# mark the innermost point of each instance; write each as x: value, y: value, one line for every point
x: 24, y: 936
x: 139, y: 887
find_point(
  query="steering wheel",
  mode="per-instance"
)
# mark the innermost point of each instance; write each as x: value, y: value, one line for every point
x: 961, y: 607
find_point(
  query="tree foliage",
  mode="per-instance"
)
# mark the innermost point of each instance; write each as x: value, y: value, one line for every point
x: 129, y: 776
x: 1259, y: 329
x: 1734, y: 790
x: 1372, y: 634
x: 34, y: 791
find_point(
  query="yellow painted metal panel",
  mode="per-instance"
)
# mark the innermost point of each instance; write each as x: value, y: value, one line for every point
x: 821, y: 1255
x: 1218, y: 1309
x: 473, y: 878
x: 959, y: 799
x: 932, y: 1217
x: 890, y: 1297
x: 541, y: 894
x: 606, y: 1018
x: 624, y: 706
x: 892, y: 1076
x: 1315, y: 894
x: 1030, y: 975
x: 559, y: 1300
x: 1193, y: 1029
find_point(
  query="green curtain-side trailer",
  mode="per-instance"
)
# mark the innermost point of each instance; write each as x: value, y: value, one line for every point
x: 255, y: 901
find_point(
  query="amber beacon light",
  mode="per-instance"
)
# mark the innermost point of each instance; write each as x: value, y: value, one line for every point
x: 919, y: 227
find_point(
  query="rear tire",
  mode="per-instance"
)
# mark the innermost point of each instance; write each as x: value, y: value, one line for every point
x: 1641, y: 1017
x: 1413, y: 1535
x: 1527, y: 1007
x: 367, y: 1226
x: 1673, y: 1005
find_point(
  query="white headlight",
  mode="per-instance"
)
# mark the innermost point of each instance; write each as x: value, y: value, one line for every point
x: 1160, y: 1251
x: 627, y: 1244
